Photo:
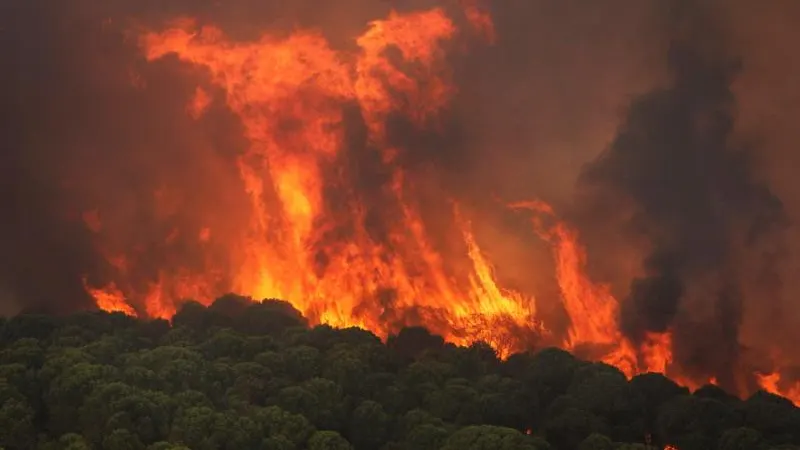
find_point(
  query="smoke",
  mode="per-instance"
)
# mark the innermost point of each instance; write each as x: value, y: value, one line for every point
x: 679, y: 183
x: 681, y: 212
x: 88, y: 125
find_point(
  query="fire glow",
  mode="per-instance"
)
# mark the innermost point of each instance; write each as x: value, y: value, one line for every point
x: 290, y: 94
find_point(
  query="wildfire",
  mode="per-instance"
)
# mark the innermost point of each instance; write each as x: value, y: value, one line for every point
x: 291, y: 94
x: 772, y: 383
x: 110, y: 299
x: 299, y: 79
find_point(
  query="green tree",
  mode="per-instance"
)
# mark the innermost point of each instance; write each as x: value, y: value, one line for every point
x: 655, y: 390
x: 604, y: 391
x: 596, y: 441
x: 251, y: 383
x: 319, y: 400
x: 17, y: 429
x: 162, y: 445
x: 456, y: 402
x: 369, y: 426
x: 328, y: 440
x: 344, y: 366
x: 216, y: 381
x: 488, y: 437
x: 776, y: 418
x: 277, y: 443
x: 412, y: 342
x: 506, y: 402
x: 122, y: 439
x: 549, y: 374
x: 567, y: 428
x: 35, y: 326
x: 193, y: 427
x: 276, y: 422
x: 426, y: 436
x: 233, y: 431
x: 693, y: 423
x: 741, y: 438
x: 73, y: 441
x: 302, y: 362
x: 29, y: 352
x: 270, y: 317
x: 68, y: 391
x: 225, y: 343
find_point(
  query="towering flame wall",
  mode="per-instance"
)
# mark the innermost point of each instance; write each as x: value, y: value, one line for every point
x: 320, y: 176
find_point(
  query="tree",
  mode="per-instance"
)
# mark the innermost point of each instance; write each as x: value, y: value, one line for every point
x: 655, y: 390
x: 73, y: 441
x: 741, y: 438
x: 596, y: 441
x: 369, y: 426
x: 214, y: 381
x: 426, y: 436
x: 302, y: 362
x: 270, y: 317
x: 122, y: 439
x: 167, y: 446
x: 776, y: 418
x: 567, y: 428
x: 17, y: 429
x: 276, y: 422
x: 193, y: 427
x: 506, y: 402
x: 456, y: 402
x: 345, y: 367
x: 411, y: 342
x: 548, y: 373
x: 328, y: 440
x: 68, y: 391
x: 488, y: 437
x: 604, y: 391
x: 693, y: 423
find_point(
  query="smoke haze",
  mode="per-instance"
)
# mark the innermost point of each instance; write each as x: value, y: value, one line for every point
x: 664, y: 131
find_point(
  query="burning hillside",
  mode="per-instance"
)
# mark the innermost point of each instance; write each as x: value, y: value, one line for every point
x: 310, y: 168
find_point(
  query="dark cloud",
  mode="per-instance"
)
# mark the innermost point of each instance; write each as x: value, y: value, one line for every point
x: 692, y: 194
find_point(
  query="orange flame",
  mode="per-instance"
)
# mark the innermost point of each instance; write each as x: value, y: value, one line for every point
x: 290, y: 95
x: 110, y: 299
x: 300, y: 79
x: 771, y: 383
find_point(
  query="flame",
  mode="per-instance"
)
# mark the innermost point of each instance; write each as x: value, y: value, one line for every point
x: 291, y: 93
x: 376, y: 284
x: 592, y: 309
x: 657, y: 352
x: 771, y: 382
x: 110, y: 299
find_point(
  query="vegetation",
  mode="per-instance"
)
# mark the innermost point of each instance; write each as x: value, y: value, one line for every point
x: 239, y: 376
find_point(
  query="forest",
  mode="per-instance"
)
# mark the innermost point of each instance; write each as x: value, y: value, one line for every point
x: 254, y: 375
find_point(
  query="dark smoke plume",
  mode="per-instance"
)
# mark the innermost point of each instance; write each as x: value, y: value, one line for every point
x: 691, y: 195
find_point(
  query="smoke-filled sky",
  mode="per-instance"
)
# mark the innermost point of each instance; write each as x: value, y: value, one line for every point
x: 664, y: 131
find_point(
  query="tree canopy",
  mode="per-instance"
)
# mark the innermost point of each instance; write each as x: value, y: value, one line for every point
x: 240, y: 375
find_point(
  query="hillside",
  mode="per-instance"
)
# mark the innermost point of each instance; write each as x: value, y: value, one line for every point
x: 240, y: 375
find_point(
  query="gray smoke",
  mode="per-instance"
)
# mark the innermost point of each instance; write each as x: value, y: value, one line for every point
x: 691, y: 194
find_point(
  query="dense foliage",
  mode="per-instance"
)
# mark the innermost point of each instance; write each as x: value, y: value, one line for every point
x: 240, y: 375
